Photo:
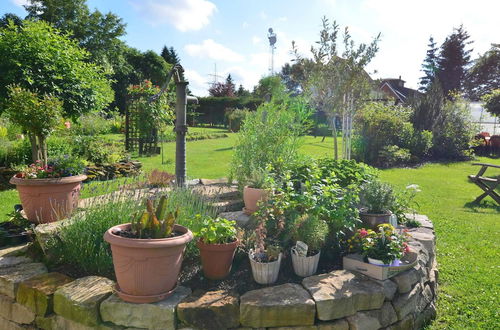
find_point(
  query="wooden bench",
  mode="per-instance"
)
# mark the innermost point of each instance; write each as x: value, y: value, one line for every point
x: 488, y: 185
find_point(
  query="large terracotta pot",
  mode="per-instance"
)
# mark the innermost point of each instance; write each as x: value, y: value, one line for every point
x: 48, y: 200
x: 147, y: 269
x: 251, y: 196
x: 373, y: 220
x: 217, y: 259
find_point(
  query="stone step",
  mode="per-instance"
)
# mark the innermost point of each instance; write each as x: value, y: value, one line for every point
x: 37, y: 293
x: 10, y: 277
x: 211, y: 310
x: 342, y: 293
x: 160, y: 315
x: 80, y: 300
x: 241, y: 219
x: 283, y: 305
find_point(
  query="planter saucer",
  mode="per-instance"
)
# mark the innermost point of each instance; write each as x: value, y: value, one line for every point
x: 143, y: 299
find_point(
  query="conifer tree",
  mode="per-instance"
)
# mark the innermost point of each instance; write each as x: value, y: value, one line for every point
x: 454, y: 60
x: 429, y: 67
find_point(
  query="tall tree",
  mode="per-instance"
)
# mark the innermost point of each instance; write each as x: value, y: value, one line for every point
x: 170, y: 55
x: 484, y: 76
x: 49, y: 63
x: 97, y: 32
x: 454, y: 60
x: 6, y: 18
x: 242, y: 92
x: 230, y: 85
x: 338, y: 84
x: 430, y: 66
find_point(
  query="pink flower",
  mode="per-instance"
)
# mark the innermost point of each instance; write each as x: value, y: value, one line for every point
x: 363, y: 232
x: 67, y: 124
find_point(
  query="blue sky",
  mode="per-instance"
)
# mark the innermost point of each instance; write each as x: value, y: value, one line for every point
x: 233, y: 33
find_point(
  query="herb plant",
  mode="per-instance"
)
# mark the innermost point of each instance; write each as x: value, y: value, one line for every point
x: 216, y: 231
x: 377, y: 197
x: 313, y: 231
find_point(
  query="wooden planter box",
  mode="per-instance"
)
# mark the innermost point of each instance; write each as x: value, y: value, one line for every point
x: 356, y: 263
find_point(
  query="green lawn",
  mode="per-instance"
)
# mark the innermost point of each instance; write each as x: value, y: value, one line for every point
x: 468, y: 236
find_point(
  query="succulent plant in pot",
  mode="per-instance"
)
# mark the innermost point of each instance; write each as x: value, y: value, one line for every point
x: 217, y: 242
x: 147, y: 253
x: 310, y: 235
x: 377, y: 200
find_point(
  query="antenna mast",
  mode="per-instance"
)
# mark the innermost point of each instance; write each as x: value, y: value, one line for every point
x: 272, y: 41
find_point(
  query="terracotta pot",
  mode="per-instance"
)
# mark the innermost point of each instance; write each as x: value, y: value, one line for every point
x: 264, y: 272
x: 48, y: 200
x: 373, y: 220
x: 251, y: 196
x: 147, y: 269
x: 217, y: 259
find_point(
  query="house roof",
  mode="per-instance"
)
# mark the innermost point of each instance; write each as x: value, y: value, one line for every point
x: 395, y: 87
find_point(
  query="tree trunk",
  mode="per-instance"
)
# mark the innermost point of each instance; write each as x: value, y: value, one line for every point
x: 335, y: 141
x: 34, y: 149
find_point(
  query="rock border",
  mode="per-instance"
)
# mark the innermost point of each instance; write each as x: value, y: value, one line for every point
x: 32, y: 298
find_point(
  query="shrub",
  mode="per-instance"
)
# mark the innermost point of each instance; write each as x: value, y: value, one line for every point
x: 377, y: 197
x: 235, y: 118
x: 94, y: 123
x: 454, y: 132
x: 270, y: 136
x: 384, y: 136
x: 393, y: 155
x: 313, y: 231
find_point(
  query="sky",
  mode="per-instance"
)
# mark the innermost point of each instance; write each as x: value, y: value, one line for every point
x: 230, y: 37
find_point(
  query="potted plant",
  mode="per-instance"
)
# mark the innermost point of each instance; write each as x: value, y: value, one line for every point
x: 265, y: 257
x: 49, y: 191
x: 310, y: 235
x: 217, y: 242
x: 377, y: 200
x: 147, y: 253
x: 384, y: 247
x: 255, y: 191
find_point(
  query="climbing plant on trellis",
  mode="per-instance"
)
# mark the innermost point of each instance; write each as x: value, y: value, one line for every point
x: 145, y: 117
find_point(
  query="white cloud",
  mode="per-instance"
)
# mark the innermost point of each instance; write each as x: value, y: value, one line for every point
x: 210, y: 49
x: 263, y: 15
x: 197, y: 83
x: 20, y: 3
x: 282, y: 19
x: 245, y: 25
x: 184, y: 15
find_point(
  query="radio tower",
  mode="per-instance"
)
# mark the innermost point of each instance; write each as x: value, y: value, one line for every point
x: 272, y: 41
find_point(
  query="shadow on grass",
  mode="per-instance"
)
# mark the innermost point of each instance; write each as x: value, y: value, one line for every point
x: 320, y: 144
x: 485, y: 205
x: 224, y: 149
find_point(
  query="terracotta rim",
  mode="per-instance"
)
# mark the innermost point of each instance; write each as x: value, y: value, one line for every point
x: 217, y: 247
x: 41, y: 182
x: 152, y: 243
x: 144, y: 299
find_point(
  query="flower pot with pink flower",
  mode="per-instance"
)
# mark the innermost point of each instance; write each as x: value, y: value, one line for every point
x: 48, y: 190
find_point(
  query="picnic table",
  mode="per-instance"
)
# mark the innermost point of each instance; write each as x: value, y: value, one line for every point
x: 488, y: 185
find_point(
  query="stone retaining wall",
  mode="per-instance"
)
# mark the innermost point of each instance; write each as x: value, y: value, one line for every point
x: 32, y: 298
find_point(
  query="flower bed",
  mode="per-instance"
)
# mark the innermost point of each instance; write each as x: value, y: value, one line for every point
x: 340, y: 299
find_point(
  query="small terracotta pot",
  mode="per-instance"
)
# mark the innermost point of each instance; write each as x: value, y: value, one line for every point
x: 49, y: 200
x: 147, y: 269
x: 373, y: 220
x: 251, y: 196
x: 217, y: 259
